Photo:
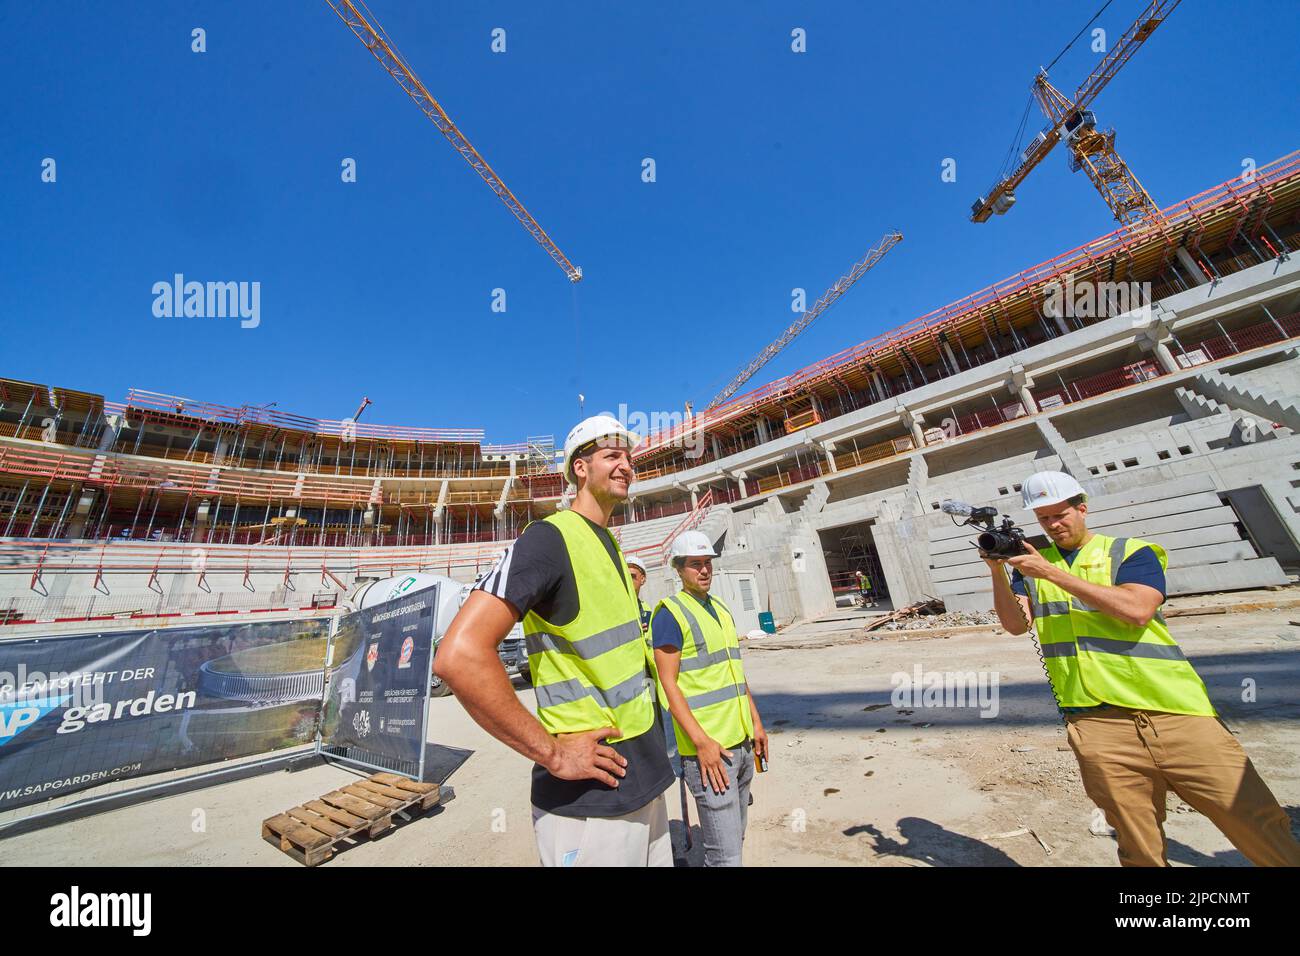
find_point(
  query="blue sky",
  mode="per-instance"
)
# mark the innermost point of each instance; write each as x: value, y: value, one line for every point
x: 775, y: 170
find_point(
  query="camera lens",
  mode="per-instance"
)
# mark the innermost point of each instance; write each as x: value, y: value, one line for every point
x: 989, y: 542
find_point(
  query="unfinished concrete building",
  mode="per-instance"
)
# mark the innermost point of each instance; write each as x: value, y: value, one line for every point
x: 1159, y: 366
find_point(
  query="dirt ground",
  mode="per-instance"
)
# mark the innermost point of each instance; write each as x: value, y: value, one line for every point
x: 853, y: 779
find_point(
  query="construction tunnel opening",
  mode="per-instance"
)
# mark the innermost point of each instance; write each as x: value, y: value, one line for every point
x: 849, y: 549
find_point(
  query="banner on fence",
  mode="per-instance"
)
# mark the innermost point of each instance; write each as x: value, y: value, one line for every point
x: 379, y: 684
x: 83, y: 710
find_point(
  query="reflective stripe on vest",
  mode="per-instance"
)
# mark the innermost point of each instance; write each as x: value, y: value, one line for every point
x: 711, y: 675
x: 591, y: 672
x: 1093, y: 658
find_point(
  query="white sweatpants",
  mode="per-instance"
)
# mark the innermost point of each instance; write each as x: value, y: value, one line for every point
x: 635, y: 839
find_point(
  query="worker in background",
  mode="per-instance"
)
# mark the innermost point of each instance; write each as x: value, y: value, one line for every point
x: 636, y: 567
x: 1139, y: 718
x: 864, y: 589
x: 716, y: 722
x: 601, y: 770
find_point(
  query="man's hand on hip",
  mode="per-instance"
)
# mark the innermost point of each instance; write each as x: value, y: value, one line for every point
x: 585, y: 756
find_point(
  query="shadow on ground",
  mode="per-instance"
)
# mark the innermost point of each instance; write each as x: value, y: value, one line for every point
x: 930, y: 843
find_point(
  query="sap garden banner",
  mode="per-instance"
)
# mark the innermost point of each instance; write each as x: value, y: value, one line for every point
x: 379, y: 689
x: 89, y: 709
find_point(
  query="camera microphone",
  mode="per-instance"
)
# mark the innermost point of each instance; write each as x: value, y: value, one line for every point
x: 954, y: 507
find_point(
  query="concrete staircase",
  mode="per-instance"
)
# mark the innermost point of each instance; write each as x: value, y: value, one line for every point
x: 716, y: 523
x: 1070, y: 460
x: 815, y: 500
x: 1268, y: 404
x: 1197, y: 405
x: 918, y: 475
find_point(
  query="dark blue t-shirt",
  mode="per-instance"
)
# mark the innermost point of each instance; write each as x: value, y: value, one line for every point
x: 1140, y: 567
x: 664, y: 630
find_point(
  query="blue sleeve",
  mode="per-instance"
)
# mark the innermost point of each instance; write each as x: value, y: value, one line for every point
x: 664, y: 630
x: 1142, y: 567
x: 1018, y: 583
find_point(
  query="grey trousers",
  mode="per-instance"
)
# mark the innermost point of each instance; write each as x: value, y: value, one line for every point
x: 640, y: 838
x: 723, y: 816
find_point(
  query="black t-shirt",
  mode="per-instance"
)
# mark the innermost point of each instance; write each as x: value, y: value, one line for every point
x: 535, y: 574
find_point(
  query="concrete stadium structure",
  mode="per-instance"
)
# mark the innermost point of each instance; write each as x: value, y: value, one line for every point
x: 1172, y: 396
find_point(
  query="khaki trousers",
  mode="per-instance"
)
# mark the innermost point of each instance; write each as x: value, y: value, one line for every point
x: 1130, y: 758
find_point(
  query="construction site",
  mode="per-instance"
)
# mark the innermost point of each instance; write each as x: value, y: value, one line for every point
x: 1157, y: 364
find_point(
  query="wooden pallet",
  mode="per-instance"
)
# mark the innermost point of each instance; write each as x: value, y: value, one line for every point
x: 309, y: 833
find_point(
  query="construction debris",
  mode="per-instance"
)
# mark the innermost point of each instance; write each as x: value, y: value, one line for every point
x: 928, y: 606
x: 930, y: 614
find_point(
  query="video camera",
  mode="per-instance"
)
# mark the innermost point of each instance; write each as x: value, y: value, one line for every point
x: 1003, y: 541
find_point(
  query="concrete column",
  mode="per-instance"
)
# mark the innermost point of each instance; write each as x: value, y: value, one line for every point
x: 1154, y: 338
x: 947, y: 350
x: 695, y: 496
x: 1188, y: 263
x: 1166, y: 357
x: 441, y: 503
x: 828, y: 450
x: 113, y: 428
x: 77, y: 525
x: 914, y: 424
x: 717, y: 449
x: 740, y: 482
x: 1018, y: 384
x: 878, y: 383
x: 763, y: 433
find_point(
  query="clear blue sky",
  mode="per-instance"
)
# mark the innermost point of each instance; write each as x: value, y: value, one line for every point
x: 775, y: 170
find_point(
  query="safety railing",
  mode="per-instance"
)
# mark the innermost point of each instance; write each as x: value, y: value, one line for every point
x: 175, y: 405
x: 875, y: 452
x: 1220, y: 200
x: 657, y: 554
x: 111, y: 472
x: 1252, y: 337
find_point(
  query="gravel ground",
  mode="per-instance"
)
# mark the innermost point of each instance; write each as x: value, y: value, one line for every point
x: 854, y: 779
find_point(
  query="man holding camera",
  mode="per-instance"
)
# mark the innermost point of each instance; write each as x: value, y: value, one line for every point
x: 1138, y: 716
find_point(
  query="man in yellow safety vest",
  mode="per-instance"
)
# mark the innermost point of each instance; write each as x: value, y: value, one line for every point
x: 601, y: 769
x: 1138, y: 716
x: 716, y: 722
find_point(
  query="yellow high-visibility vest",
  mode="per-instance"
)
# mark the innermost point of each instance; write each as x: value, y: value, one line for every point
x: 1093, y: 658
x: 591, y: 672
x: 711, y: 675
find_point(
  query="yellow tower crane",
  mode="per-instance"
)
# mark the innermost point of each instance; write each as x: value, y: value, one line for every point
x: 1091, y: 149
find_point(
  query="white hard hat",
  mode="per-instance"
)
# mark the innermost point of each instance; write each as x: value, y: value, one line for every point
x: 693, y: 544
x: 635, y: 562
x: 1049, y: 488
x: 592, y: 430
